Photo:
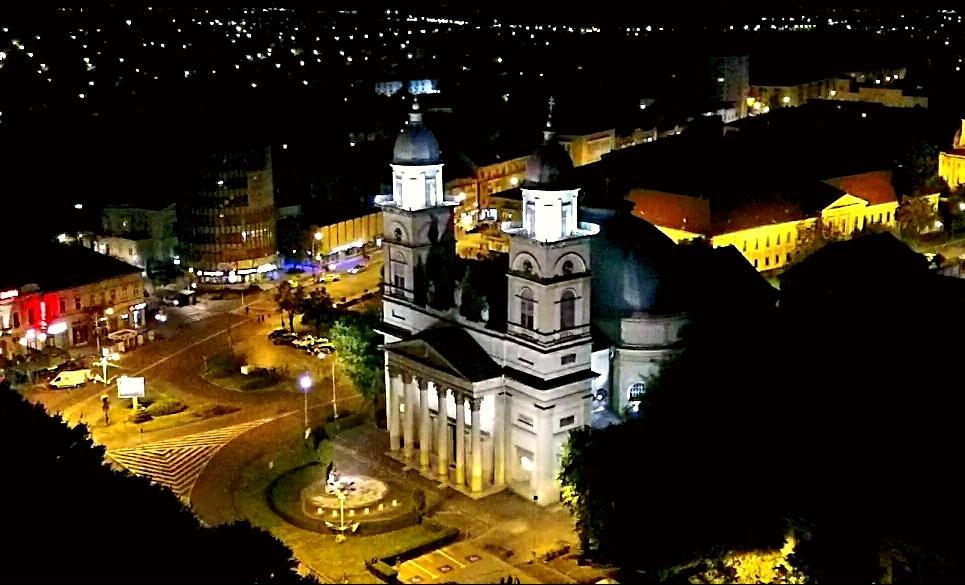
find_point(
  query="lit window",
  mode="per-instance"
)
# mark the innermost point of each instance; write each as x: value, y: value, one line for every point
x: 637, y: 390
x: 568, y: 310
x: 526, y: 308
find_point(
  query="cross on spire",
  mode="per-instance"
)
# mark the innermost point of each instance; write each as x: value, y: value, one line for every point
x: 549, y: 116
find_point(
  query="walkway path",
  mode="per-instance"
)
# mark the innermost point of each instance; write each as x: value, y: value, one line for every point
x: 177, y: 463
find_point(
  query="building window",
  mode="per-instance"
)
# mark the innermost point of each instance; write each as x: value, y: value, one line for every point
x: 755, y: 262
x: 16, y: 320
x: 398, y: 281
x: 888, y: 217
x: 767, y: 261
x: 30, y: 316
x: 63, y: 305
x: 788, y: 256
x: 568, y: 310
x: 567, y: 421
x: 778, y: 239
x: 744, y: 249
x: 757, y: 244
x: 569, y: 358
x: 767, y: 242
x: 526, y: 309
x: 568, y: 267
x: 77, y: 303
x: 526, y: 420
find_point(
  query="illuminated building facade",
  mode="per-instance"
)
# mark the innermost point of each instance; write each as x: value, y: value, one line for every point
x: 951, y: 164
x: 769, y: 233
x: 226, y: 227
x: 42, y: 307
x: 482, y: 396
x: 138, y: 235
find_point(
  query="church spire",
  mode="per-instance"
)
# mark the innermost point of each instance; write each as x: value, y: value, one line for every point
x: 415, y: 116
x: 548, y: 134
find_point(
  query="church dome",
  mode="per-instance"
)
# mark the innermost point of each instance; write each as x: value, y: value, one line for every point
x: 550, y: 167
x: 416, y: 145
x: 635, y: 267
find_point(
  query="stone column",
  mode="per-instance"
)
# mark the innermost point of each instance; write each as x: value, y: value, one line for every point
x: 392, y: 407
x: 475, y: 478
x: 408, y: 420
x: 424, y: 440
x: 442, y: 425
x: 544, y: 480
x: 499, y: 440
x: 460, y: 439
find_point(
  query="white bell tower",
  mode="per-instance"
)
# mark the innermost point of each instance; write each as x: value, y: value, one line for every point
x: 416, y: 214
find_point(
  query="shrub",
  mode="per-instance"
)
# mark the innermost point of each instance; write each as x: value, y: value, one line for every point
x: 165, y: 407
x: 142, y: 417
x: 224, y: 364
x: 345, y: 422
x: 213, y: 410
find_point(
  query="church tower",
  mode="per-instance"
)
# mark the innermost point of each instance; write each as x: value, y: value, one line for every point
x: 416, y: 218
x: 549, y: 277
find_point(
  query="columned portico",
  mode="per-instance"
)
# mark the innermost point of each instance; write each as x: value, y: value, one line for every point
x: 460, y: 439
x: 408, y: 417
x: 442, y: 433
x: 392, y: 408
x: 476, y: 443
x: 425, y: 438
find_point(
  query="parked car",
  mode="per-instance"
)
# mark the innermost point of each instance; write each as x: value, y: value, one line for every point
x: 304, y: 341
x: 285, y: 339
x: 322, y: 349
x: 330, y: 277
x: 278, y: 333
x: 70, y: 379
x: 356, y: 269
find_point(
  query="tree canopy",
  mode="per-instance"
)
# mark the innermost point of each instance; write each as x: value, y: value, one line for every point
x: 836, y: 422
x: 357, y: 346
x: 290, y: 300
x: 72, y: 518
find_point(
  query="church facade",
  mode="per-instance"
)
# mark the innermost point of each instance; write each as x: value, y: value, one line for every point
x: 482, y: 399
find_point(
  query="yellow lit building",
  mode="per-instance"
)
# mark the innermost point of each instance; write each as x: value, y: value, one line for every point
x: 951, y: 164
x: 769, y: 233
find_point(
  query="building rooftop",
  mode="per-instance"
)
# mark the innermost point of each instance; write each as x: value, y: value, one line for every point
x: 57, y: 267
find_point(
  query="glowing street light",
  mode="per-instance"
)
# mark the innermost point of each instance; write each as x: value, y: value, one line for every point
x: 305, y: 381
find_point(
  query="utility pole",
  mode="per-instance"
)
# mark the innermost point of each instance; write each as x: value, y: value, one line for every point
x: 334, y: 405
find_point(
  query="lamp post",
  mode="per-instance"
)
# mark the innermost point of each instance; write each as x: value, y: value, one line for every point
x: 334, y: 405
x: 305, y: 382
x: 317, y: 237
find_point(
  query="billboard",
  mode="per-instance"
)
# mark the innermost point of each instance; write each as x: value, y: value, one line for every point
x: 128, y: 387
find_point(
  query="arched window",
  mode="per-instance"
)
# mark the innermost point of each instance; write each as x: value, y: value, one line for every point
x: 637, y: 390
x: 526, y: 309
x: 568, y: 310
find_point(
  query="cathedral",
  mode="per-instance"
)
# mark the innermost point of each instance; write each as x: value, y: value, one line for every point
x: 490, y: 364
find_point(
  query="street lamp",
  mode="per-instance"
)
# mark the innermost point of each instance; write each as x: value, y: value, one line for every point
x: 316, y: 238
x: 305, y: 382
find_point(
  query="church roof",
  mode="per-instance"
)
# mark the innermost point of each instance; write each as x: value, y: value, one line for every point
x: 874, y: 187
x: 451, y: 350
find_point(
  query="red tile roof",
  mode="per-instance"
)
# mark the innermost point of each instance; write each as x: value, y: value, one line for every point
x: 875, y: 187
x: 671, y: 210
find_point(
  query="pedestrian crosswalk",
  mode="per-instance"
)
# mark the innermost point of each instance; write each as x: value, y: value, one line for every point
x: 177, y: 463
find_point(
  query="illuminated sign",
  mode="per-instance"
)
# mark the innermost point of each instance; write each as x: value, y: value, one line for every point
x: 247, y: 271
x: 128, y: 387
x: 57, y: 328
x: 212, y: 273
x: 9, y: 294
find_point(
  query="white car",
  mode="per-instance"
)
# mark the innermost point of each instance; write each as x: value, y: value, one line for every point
x: 304, y: 341
x: 70, y: 379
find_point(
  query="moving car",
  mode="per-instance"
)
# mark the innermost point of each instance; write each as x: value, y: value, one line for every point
x: 356, y: 269
x: 330, y: 277
x: 70, y: 379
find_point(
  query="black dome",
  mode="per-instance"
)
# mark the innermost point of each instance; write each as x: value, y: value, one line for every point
x: 634, y: 268
x: 550, y: 167
x: 416, y: 145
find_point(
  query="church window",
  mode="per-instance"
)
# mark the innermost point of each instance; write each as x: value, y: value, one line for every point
x: 788, y: 257
x: 527, y: 267
x: 568, y: 267
x: 568, y: 310
x: 757, y: 244
x: 778, y: 239
x: 567, y: 421
x: 637, y: 390
x: 767, y: 242
x: 398, y: 234
x: 526, y: 309
x: 526, y: 420
x: 569, y: 358
x: 888, y: 217
x: 767, y: 261
x: 744, y: 249
x: 430, y: 191
x: 755, y: 262
x: 530, y: 217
